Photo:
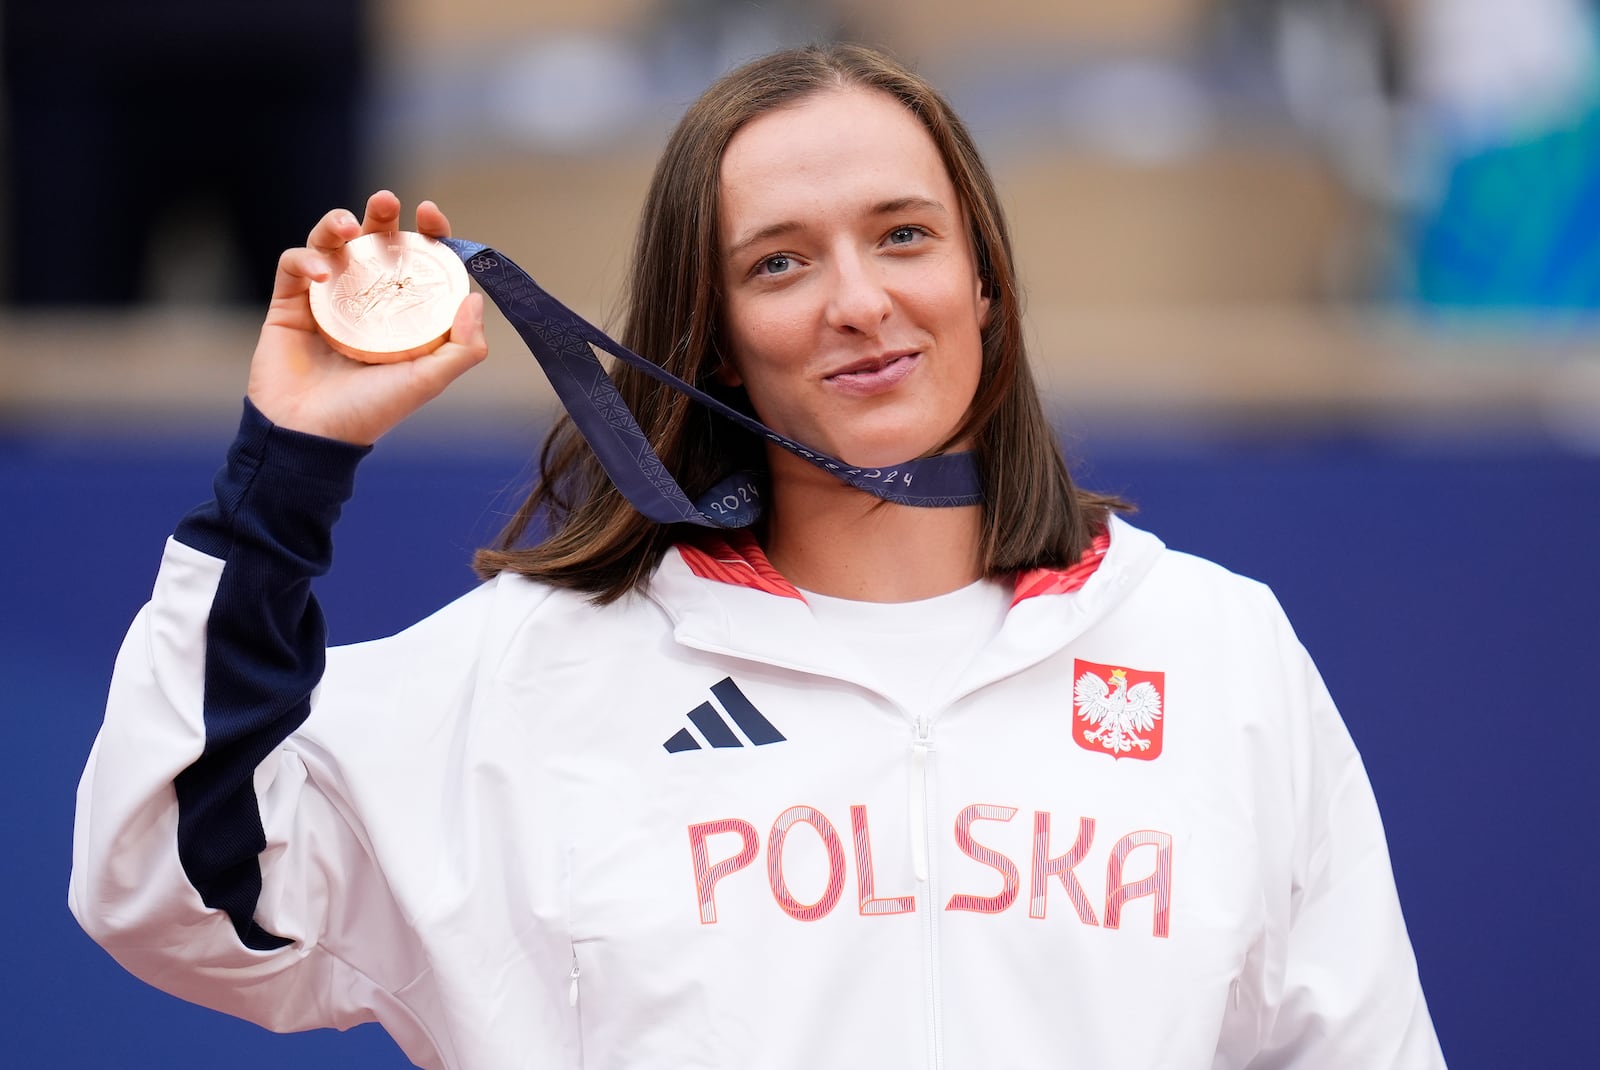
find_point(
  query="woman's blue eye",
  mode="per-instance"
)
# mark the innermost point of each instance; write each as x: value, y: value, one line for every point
x: 902, y: 235
x: 773, y: 265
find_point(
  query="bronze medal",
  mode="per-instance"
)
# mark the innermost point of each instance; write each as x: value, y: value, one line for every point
x: 391, y: 297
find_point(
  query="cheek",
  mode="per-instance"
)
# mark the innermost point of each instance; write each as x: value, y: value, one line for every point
x: 734, y: 344
x: 762, y: 339
x: 965, y: 330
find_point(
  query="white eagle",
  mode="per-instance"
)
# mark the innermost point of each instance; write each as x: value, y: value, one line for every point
x: 1117, y: 712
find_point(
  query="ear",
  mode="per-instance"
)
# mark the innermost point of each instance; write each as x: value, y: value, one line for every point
x: 985, y: 302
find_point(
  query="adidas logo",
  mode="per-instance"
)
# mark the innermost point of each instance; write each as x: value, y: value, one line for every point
x: 711, y: 726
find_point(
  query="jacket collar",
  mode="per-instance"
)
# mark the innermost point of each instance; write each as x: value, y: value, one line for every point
x: 725, y: 597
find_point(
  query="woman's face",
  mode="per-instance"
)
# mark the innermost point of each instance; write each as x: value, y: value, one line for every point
x: 853, y: 308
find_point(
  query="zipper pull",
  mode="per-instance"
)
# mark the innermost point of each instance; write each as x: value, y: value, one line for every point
x: 572, y: 983
x: 917, y: 798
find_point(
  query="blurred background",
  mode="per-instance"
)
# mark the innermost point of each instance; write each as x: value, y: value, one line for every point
x: 1315, y: 282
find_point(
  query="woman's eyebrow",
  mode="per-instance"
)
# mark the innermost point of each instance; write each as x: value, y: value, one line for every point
x: 778, y: 230
x: 771, y: 230
x: 908, y: 204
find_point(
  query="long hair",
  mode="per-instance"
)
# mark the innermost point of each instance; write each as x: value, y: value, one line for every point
x: 1033, y: 516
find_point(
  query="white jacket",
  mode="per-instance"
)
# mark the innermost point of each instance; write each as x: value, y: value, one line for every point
x: 689, y: 829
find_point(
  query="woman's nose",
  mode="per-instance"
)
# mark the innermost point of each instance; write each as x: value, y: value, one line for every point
x: 858, y: 300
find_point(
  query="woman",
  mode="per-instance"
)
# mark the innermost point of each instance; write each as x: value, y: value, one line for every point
x: 652, y: 798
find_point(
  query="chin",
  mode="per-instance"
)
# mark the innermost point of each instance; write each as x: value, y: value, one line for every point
x: 888, y: 451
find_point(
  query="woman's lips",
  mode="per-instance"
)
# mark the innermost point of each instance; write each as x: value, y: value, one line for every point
x: 875, y: 377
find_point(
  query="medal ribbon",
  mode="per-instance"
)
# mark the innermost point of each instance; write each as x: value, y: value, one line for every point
x: 564, y: 343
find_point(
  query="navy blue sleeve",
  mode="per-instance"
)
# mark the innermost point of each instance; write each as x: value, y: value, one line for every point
x: 271, y: 522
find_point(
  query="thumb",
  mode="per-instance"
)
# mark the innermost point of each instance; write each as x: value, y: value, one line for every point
x: 465, y: 347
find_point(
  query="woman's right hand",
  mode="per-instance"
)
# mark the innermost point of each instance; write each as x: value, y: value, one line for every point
x: 299, y: 382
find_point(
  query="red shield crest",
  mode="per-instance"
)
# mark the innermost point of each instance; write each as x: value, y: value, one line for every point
x: 1117, y: 710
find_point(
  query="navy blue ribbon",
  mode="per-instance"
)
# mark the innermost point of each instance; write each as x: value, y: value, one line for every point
x: 564, y: 343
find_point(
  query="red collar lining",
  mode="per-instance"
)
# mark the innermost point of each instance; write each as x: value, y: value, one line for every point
x: 734, y: 557
x: 1040, y: 581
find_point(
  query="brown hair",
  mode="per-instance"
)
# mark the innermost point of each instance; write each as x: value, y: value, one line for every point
x: 1033, y: 516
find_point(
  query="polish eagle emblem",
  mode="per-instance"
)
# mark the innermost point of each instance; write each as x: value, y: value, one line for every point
x: 1121, y: 716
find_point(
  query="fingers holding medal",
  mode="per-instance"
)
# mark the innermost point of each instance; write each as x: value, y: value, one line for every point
x: 366, y: 325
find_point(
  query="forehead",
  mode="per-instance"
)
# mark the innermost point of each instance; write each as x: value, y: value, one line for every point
x: 836, y: 150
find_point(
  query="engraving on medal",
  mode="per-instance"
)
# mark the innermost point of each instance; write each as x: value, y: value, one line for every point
x: 391, y: 297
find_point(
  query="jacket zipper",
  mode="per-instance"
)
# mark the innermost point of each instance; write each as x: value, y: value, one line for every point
x: 921, y: 832
x: 917, y: 799
x: 572, y: 1001
x: 574, y: 973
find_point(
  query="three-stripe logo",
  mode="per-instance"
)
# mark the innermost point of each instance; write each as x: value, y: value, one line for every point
x: 716, y: 731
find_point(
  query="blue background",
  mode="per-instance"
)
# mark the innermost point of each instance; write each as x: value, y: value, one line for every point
x: 1446, y: 588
